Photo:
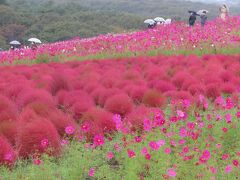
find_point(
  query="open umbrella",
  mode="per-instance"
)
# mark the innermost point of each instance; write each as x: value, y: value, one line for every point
x: 35, y: 40
x: 159, y: 19
x: 149, y: 21
x: 168, y: 21
x: 203, y: 11
x: 15, y: 43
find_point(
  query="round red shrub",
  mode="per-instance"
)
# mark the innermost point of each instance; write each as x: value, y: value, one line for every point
x: 136, y: 117
x: 9, y: 130
x: 33, y: 95
x: 7, y: 154
x: 59, y: 82
x: 78, y: 108
x: 228, y: 88
x: 164, y: 86
x: 57, y: 117
x: 179, y: 79
x: 119, y: 104
x: 100, y: 121
x: 8, y: 110
x: 137, y: 93
x: 31, y: 134
x: 196, y: 89
x: 213, y: 90
x: 153, y: 98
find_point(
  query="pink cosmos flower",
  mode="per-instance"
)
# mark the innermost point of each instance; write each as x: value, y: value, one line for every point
x: 118, y: 122
x: 180, y: 113
x: 186, y: 103
x: 201, y: 125
x: 85, y: 127
x: 91, y: 172
x: 235, y: 162
x: 98, y: 140
x: 167, y: 150
x: 131, y: 153
x: 171, y: 172
x: 228, y: 169
x: 206, y: 155
x: 144, y: 151
x: 37, y: 162
x: 9, y: 157
x: 64, y: 142
x: 219, y: 146
x: 154, y: 146
x: 225, y: 156
x: 148, y: 157
x: 138, y: 139
x: 182, y: 132
x: 161, y: 142
x: 147, y: 125
x: 185, y: 149
x: 69, y: 130
x: 110, y: 155
x: 181, y: 141
x: 191, y: 126
x: 44, y: 143
x: 213, y: 170
x: 117, y: 147
x: 218, y: 117
x: 228, y: 118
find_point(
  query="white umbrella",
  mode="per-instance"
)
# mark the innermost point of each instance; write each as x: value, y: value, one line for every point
x: 149, y: 21
x: 35, y: 40
x: 203, y: 11
x: 15, y: 43
x: 168, y: 21
x: 159, y: 19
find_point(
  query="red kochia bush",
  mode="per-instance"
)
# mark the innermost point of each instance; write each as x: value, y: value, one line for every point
x: 101, y: 95
x: 99, y: 120
x: 136, y: 92
x: 119, y: 104
x: 179, y: 79
x: 228, y: 88
x: 59, y: 82
x: 7, y: 154
x: 33, y: 95
x: 31, y: 134
x: 9, y: 130
x: 8, y: 111
x: 154, y: 98
x: 136, y: 117
x: 164, y: 86
x: 213, y: 90
x: 57, y: 117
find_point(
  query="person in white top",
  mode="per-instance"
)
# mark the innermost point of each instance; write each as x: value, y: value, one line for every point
x: 224, y: 12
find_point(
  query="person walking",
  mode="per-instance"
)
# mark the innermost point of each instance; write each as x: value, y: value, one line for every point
x: 192, y: 18
x: 224, y: 12
x: 203, y: 18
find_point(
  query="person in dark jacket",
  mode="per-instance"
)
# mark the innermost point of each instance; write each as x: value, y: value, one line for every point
x: 203, y: 19
x: 192, y: 18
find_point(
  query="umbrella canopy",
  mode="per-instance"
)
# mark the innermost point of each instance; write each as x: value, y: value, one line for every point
x: 159, y: 19
x: 168, y: 21
x: 149, y: 21
x: 35, y: 40
x: 201, y: 12
x: 15, y: 43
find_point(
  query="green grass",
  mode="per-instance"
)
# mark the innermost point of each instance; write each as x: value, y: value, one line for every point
x: 61, y: 58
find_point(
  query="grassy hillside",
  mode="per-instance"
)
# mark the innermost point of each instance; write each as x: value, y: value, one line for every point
x: 64, y: 19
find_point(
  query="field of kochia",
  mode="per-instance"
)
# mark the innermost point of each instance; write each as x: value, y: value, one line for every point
x: 156, y: 104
